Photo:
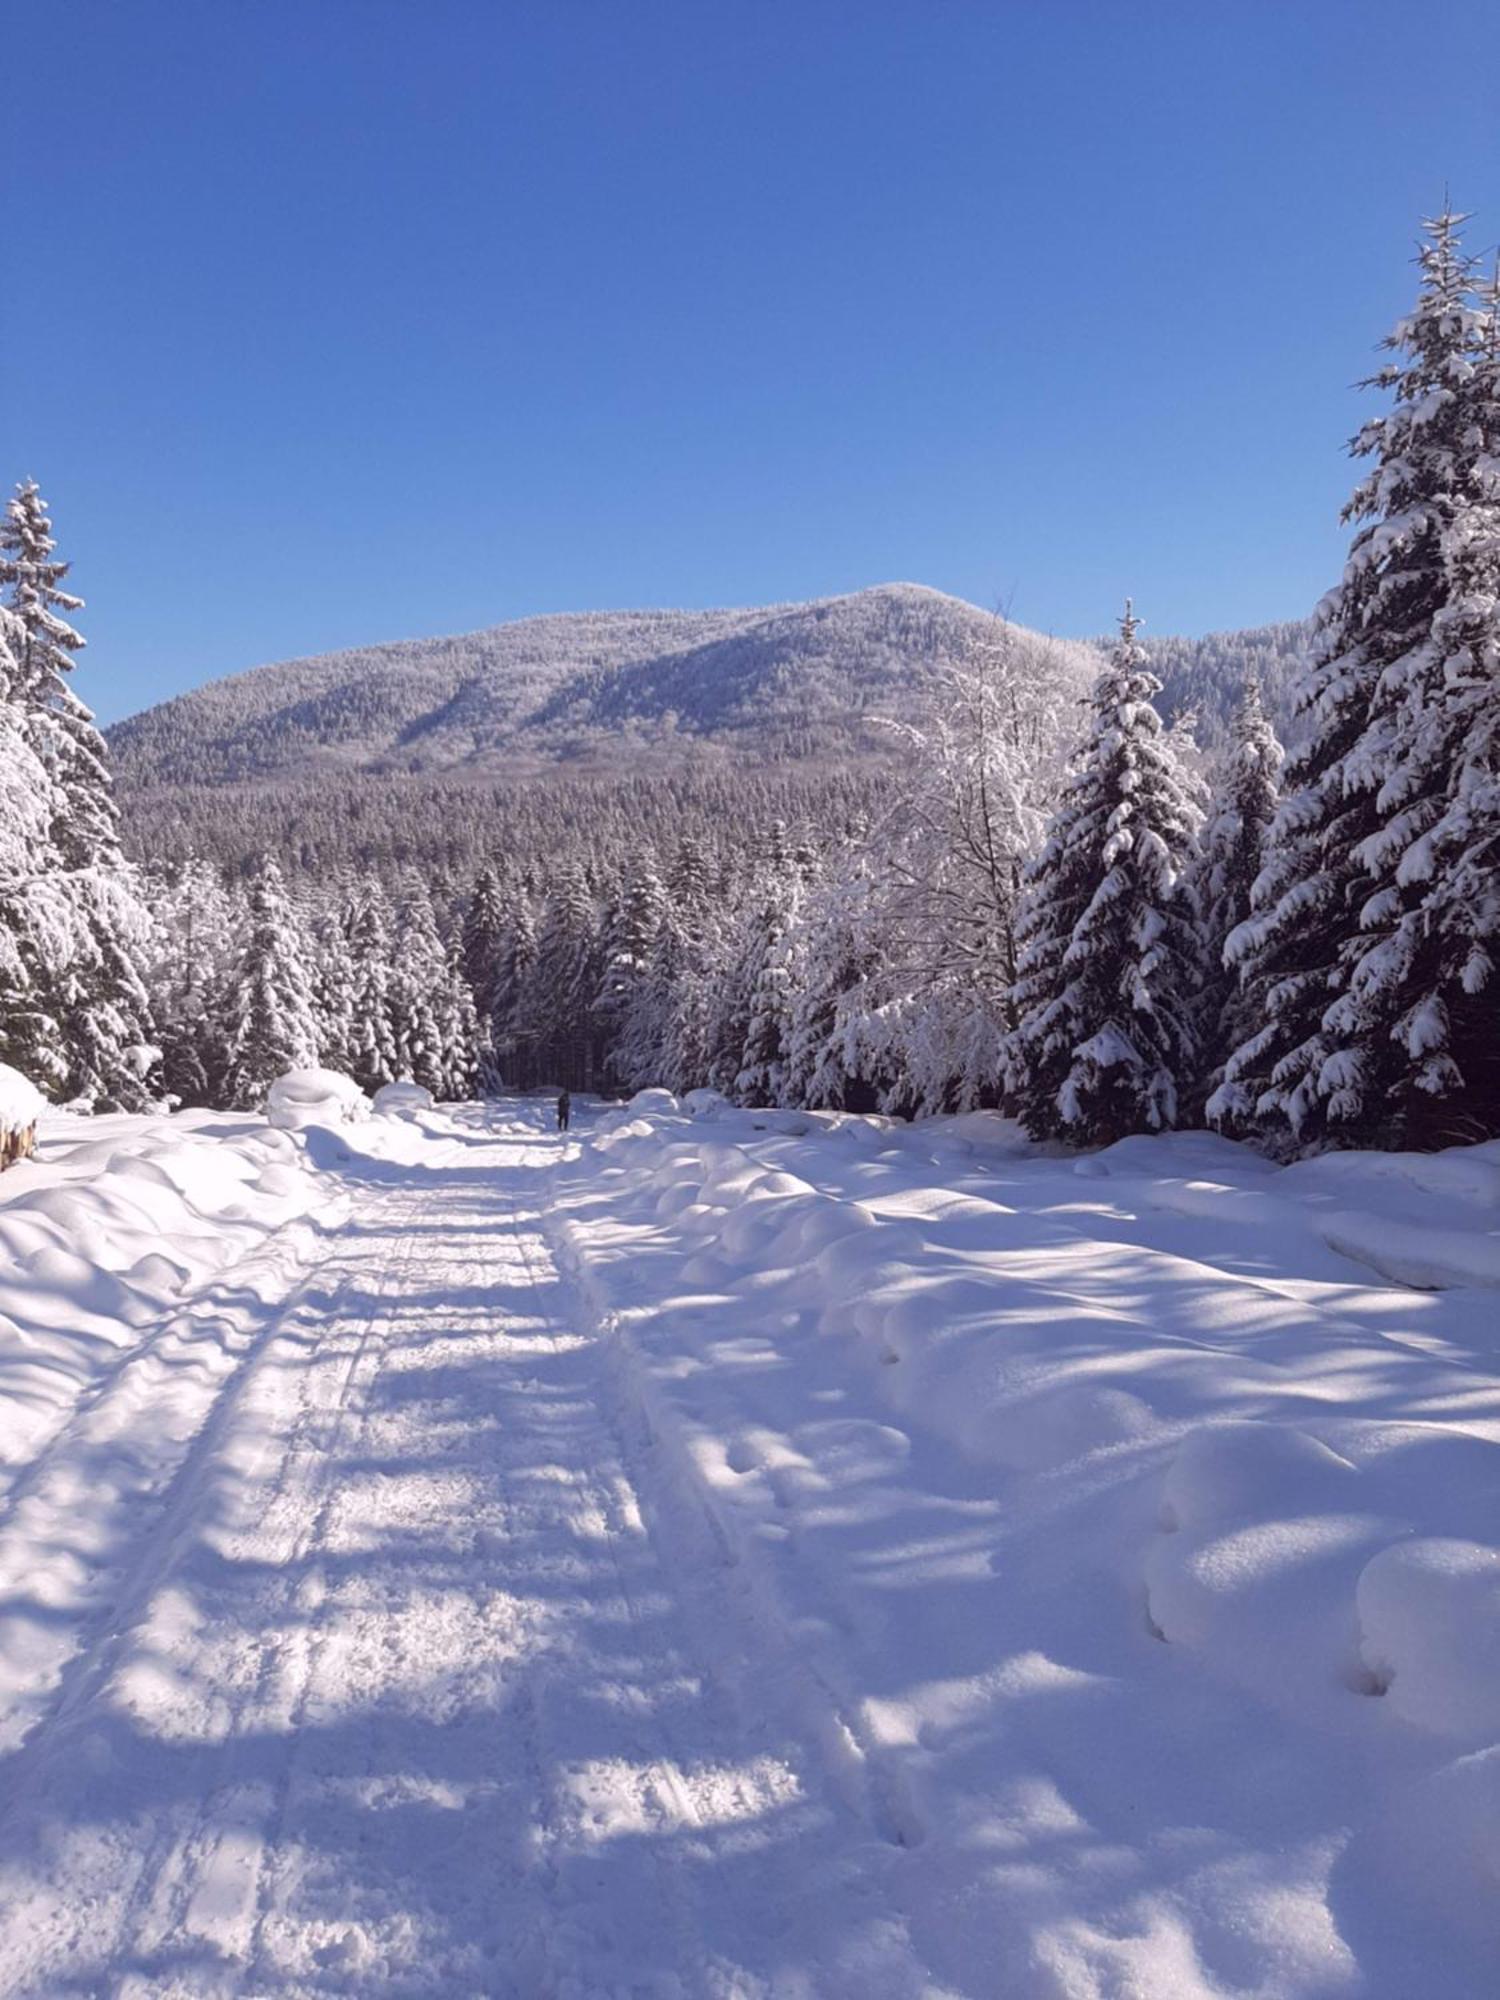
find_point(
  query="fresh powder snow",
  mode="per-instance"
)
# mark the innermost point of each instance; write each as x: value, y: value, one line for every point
x: 744, y: 1553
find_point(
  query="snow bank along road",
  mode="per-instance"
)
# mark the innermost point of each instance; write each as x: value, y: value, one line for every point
x: 740, y: 1556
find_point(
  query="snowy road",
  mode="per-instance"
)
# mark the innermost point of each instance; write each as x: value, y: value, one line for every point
x: 391, y: 1687
x: 727, y: 1557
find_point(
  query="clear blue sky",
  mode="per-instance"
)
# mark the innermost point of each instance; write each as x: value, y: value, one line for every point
x: 327, y: 321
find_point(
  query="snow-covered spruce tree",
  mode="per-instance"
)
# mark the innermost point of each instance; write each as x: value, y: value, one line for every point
x: 1353, y: 984
x: 556, y: 1007
x: 331, y: 932
x: 459, y: 1034
x: 513, y: 1045
x: 750, y: 936
x: 672, y: 1001
x: 766, y: 977
x: 484, y: 946
x: 686, y: 950
x: 417, y: 979
x: 1243, y: 804
x: 627, y: 1002
x: 268, y: 1015
x: 1425, y: 959
x: 196, y: 944
x: 97, y: 995
x: 36, y: 915
x: 371, y: 1039
x: 1107, y: 973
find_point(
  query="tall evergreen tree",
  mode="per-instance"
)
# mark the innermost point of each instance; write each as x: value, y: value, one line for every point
x: 557, y: 1005
x: 37, y: 919
x: 197, y: 942
x: 511, y: 1031
x: 98, y: 997
x: 332, y: 973
x: 459, y: 1034
x: 269, y: 1009
x: 1107, y: 970
x: 688, y: 946
x: 371, y: 1044
x: 484, y: 944
x: 416, y: 991
x: 1354, y: 985
x: 626, y: 1004
x: 1221, y: 881
x: 763, y: 983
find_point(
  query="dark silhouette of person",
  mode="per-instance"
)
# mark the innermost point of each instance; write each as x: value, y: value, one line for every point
x: 564, y: 1109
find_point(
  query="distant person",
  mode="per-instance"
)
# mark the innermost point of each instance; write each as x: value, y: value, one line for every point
x: 564, y: 1109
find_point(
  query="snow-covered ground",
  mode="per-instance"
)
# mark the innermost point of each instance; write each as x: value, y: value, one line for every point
x: 738, y: 1555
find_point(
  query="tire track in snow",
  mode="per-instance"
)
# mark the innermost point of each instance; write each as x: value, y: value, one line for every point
x: 213, y: 1876
x: 71, y: 1743
x: 155, y: 1473
x: 696, y: 1542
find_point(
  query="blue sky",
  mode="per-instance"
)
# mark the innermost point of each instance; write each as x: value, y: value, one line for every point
x: 329, y: 321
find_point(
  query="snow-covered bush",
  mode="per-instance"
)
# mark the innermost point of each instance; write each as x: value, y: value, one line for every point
x: 647, y: 1103
x: 21, y: 1104
x: 314, y: 1097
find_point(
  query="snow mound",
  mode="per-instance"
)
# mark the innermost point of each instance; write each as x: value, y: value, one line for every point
x: 647, y: 1102
x: 1127, y: 1440
x: 1443, y: 1848
x: 402, y: 1098
x: 21, y: 1103
x: 1429, y: 1620
x: 1416, y: 1254
x: 306, y: 1097
x: 104, y: 1238
x: 706, y: 1104
x: 1467, y: 1175
x: 1262, y: 1539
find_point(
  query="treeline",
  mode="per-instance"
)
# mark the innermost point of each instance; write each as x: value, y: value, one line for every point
x: 450, y: 828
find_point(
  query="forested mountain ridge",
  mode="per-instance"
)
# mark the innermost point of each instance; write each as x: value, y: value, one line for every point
x: 760, y: 685
x: 784, y: 682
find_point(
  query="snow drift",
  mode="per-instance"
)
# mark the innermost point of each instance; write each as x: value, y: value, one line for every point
x: 1247, y: 1503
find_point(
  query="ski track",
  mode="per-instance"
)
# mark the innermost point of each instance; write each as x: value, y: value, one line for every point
x: 412, y: 1660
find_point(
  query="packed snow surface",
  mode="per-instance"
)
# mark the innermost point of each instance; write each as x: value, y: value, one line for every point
x: 744, y: 1554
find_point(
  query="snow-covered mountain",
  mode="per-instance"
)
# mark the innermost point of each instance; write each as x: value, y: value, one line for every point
x: 784, y: 682
x: 787, y: 681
